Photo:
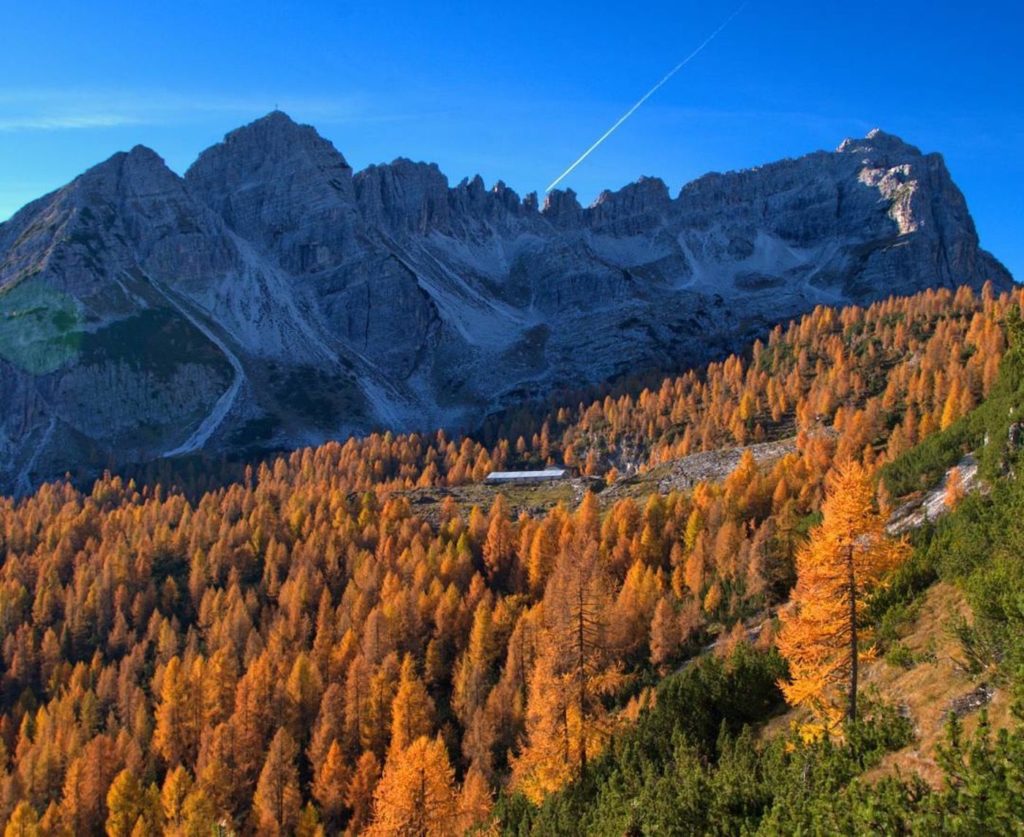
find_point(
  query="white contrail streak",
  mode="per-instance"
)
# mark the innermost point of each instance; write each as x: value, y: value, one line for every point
x: 644, y: 98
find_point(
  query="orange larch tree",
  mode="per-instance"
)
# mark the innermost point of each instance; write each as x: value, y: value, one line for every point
x: 666, y: 632
x: 277, y: 799
x: 846, y: 558
x: 331, y: 784
x: 412, y: 712
x: 954, y: 487
x: 416, y: 794
x: 576, y: 668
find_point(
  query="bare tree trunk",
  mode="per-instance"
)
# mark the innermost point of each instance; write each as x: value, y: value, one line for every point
x: 851, y: 580
x: 582, y: 677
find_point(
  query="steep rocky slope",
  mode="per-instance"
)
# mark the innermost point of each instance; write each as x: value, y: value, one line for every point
x: 271, y: 297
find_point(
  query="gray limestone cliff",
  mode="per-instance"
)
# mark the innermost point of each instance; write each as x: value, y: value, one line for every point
x: 272, y: 298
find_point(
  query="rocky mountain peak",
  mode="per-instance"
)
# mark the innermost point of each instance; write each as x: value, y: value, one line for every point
x: 405, y: 196
x: 877, y: 140
x: 562, y: 208
x: 272, y: 298
x: 134, y: 171
x: 506, y: 198
x: 283, y: 186
x: 472, y: 203
x: 632, y: 208
x: 277, y: 137
x: 272, y: 146
x: 144, y: 157
x: 276, y: 120
x: 122, y: 190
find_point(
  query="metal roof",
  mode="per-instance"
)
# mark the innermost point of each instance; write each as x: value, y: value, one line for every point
x: 549, y: 473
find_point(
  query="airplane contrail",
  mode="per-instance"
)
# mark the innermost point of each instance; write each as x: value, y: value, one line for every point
x: 645, y: 97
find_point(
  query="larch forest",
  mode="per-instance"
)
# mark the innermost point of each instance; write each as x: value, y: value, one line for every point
x: 363, y: 638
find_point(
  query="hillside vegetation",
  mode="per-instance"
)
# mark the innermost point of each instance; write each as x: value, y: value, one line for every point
x: 306, y: 650
x: 695, y: 763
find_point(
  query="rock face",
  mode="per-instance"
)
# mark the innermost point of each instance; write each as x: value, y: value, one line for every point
x: 272, y: 298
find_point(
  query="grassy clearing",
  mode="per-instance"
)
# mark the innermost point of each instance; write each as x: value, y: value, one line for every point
x: 924, y: 674
x: 532, y: 499
x: 928, y: 680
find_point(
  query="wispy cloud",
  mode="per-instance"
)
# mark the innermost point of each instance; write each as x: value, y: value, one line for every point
x: 66, y: 122
x: 80, y: 109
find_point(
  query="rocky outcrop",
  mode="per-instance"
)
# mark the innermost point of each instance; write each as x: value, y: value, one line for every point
x: 271, y: 297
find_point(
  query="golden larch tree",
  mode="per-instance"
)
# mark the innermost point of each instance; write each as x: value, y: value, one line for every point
x: 277, y: 799
x: 499, y: 544
x: 472, y: 676
x: 544, y: 763
x: 131, y: 807
x: 954, y: 487
x: 24, y: 822
x: 359, y: 795
x: 576, y: 669
x: 412, y: 713
x: 177, y: 786
x: 475, y: 803
x: 331, y: 783
x: 178, y: 716
x: 416, y: 795
x: 666, y: 632
x: 822, y: 631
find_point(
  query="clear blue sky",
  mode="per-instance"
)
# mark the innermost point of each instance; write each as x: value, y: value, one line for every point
x: 516, y: 91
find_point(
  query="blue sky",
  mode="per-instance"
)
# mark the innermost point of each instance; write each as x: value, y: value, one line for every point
x: 518, y: 91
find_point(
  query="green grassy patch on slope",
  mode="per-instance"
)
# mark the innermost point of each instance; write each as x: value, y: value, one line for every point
x: 155, y: 340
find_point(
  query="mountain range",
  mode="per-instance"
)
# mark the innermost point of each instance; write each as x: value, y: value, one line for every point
x: 273, y: 298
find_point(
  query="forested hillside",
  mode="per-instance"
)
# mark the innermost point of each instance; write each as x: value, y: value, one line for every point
x: 304, y: 650
x: 699, y: 763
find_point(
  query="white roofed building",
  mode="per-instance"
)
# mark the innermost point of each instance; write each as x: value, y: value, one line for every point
x: 547, y: 475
